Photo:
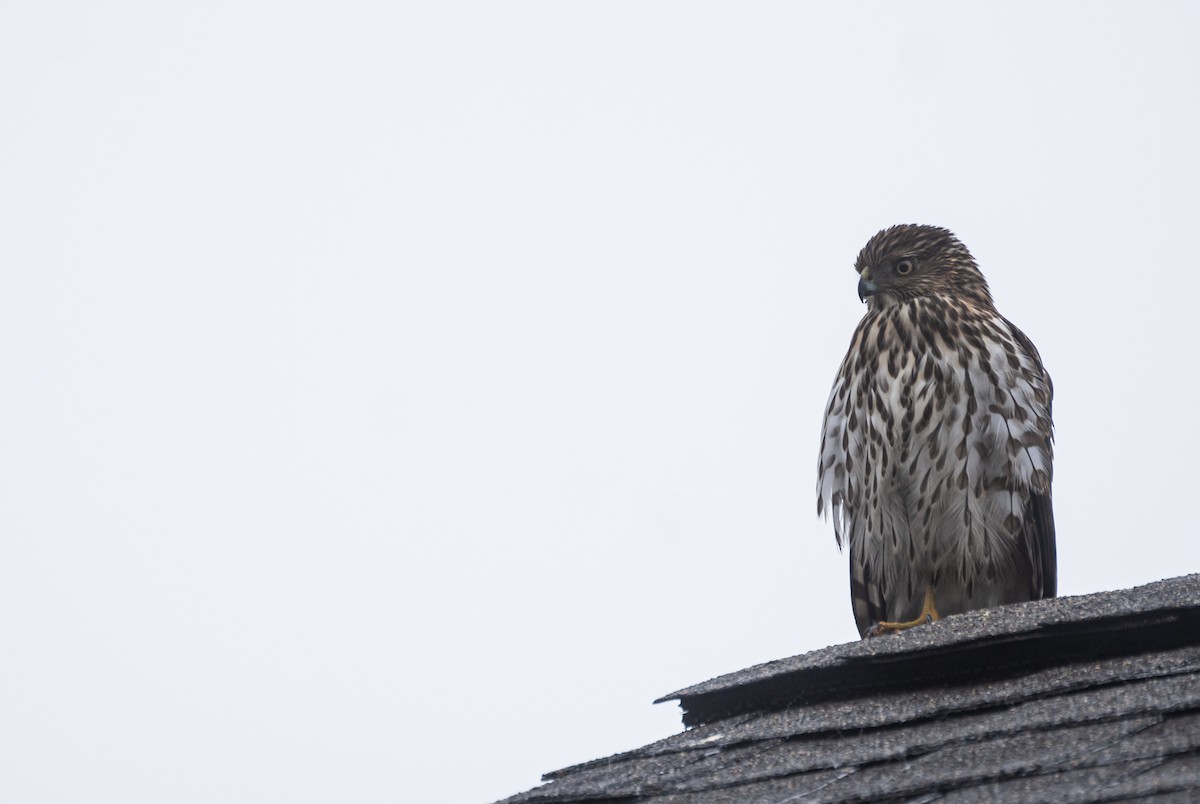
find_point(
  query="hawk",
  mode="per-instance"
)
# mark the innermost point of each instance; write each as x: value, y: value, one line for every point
x: 937, y: 445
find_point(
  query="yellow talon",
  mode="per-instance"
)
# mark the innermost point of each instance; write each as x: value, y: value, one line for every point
x: 928, y: 614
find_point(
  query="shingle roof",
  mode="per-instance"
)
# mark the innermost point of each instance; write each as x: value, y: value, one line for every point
x: 1092, y: 698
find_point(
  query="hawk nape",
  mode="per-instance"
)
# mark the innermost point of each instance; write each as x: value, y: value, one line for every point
x: 936, y: 451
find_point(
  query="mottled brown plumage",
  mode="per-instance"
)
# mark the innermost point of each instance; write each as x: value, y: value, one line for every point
x: 936, y: 451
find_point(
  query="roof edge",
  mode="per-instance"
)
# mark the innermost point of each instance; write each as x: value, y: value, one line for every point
x: 976, y: 647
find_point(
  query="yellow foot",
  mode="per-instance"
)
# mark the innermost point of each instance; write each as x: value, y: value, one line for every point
x: 928, y: 614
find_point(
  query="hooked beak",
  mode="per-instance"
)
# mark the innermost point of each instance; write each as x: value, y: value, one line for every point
x: 866, y: 288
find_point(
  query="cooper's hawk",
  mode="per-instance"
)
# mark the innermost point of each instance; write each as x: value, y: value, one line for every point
x: 936, y: 449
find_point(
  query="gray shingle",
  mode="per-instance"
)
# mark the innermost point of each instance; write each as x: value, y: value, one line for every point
x: 1078, y: 699
x: 970, y: 648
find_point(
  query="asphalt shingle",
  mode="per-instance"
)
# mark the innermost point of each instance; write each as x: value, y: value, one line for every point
x: 1093, y: 698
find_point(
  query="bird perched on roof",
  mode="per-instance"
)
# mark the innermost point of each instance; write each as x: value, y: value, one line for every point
x: 937, y: 446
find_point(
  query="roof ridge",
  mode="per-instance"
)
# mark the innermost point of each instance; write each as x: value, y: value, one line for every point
x: 1074, y: 699
x: 978, y: 646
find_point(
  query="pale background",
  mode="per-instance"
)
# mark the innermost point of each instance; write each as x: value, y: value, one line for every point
x: 398, y: 397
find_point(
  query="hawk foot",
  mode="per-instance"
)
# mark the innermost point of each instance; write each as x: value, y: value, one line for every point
x: 928, y: 614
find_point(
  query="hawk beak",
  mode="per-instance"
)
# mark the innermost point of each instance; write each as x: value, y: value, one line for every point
x: 866, y: 288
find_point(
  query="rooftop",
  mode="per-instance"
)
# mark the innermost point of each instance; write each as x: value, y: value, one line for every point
x: 1090, y: 698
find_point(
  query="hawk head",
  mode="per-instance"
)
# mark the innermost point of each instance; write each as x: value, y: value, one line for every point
x: 908, y: 261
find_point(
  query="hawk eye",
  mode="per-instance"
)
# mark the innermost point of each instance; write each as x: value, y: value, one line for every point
x: 904, y: 267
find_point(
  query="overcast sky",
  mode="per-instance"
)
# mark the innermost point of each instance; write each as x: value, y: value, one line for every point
x: 397, y: 398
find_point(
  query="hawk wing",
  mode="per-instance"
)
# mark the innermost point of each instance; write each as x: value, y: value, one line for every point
x: 866, y: 595
x: 1039, y: 541
x: 1038, y: 521
x: 842, y: 448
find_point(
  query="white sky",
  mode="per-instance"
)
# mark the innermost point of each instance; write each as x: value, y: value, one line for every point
x: 399, y: 397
